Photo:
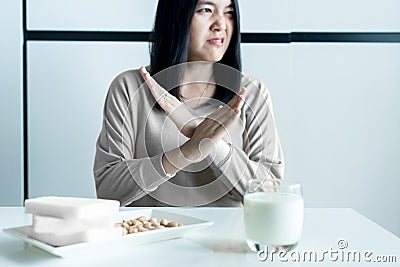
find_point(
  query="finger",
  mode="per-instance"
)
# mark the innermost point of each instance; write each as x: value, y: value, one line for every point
x: 156, y: 90
x: 224, y: 121
x: 234, y: 101
x: 233, y: 108
x: 232, y: 117
x: 221, y: 114
x: 240, y: 101
x: 167, y: 101
x: 237, y: 101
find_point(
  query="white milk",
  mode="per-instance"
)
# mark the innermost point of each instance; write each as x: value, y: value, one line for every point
x: 273, y: 218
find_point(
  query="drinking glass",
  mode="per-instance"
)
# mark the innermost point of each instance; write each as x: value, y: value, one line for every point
x: 273, y: 214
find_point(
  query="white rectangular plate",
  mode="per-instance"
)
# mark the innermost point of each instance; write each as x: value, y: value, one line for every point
x: 189, y: 224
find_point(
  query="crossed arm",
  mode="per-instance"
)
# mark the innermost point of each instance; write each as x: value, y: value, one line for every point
x: 119, y: 174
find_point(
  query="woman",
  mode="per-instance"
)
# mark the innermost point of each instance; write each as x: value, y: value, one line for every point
x: 190, y: 129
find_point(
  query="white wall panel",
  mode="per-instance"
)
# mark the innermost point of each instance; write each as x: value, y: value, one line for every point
x: 271, y: 63
x: 68, y: 83
x: 11, y: 188
x: 345, y: 15
x: 320, y: 15
x: 346, y: 143
x: 337, y: 113
x: 116, y: 15
x: 266, y: 15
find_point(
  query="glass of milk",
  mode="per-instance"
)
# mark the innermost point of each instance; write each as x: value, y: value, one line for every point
x: 273, y: 214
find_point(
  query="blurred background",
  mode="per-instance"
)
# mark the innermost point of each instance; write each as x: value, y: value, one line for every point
x: 336, y: 103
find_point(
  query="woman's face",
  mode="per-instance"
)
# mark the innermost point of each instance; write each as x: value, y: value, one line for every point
x: 211, y: 30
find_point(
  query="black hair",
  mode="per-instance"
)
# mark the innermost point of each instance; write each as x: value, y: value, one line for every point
x: 171, y: 43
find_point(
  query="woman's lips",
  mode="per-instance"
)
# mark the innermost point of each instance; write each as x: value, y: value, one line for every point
x: 216, y: 41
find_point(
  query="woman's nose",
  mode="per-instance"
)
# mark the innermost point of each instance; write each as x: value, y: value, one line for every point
x: 219, y: 23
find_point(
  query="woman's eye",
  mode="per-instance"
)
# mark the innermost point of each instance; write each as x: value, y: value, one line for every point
x: 230, y: 12
x: 205, y: 10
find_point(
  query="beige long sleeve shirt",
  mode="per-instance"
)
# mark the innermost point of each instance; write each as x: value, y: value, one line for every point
x: 135, y: 134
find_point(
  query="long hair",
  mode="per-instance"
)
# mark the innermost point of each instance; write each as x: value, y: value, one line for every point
x: 171, y: 44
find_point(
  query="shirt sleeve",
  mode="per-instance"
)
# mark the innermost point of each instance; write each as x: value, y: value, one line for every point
x: 261, y: 155
x: 118, y: 174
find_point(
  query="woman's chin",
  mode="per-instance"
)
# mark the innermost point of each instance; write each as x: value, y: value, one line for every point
x: 213, y: 58
x: 210, y: 57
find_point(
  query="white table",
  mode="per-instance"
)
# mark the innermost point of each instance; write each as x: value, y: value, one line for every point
x: 222, y: 244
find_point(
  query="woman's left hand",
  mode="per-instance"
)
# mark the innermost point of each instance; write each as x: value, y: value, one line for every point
x: 207, y: 135
x: 175, y: 109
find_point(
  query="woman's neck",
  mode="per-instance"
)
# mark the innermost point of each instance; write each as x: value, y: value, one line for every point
x: 198, y: 81
x: 198, y: 72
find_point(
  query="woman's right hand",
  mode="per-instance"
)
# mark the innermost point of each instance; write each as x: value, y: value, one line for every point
x: 175, y: 109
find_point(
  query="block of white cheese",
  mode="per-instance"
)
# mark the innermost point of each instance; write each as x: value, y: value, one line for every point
x: 61, y: 221
x: 45, y: 224
x: 63, y: 239
x: 71, y: 207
